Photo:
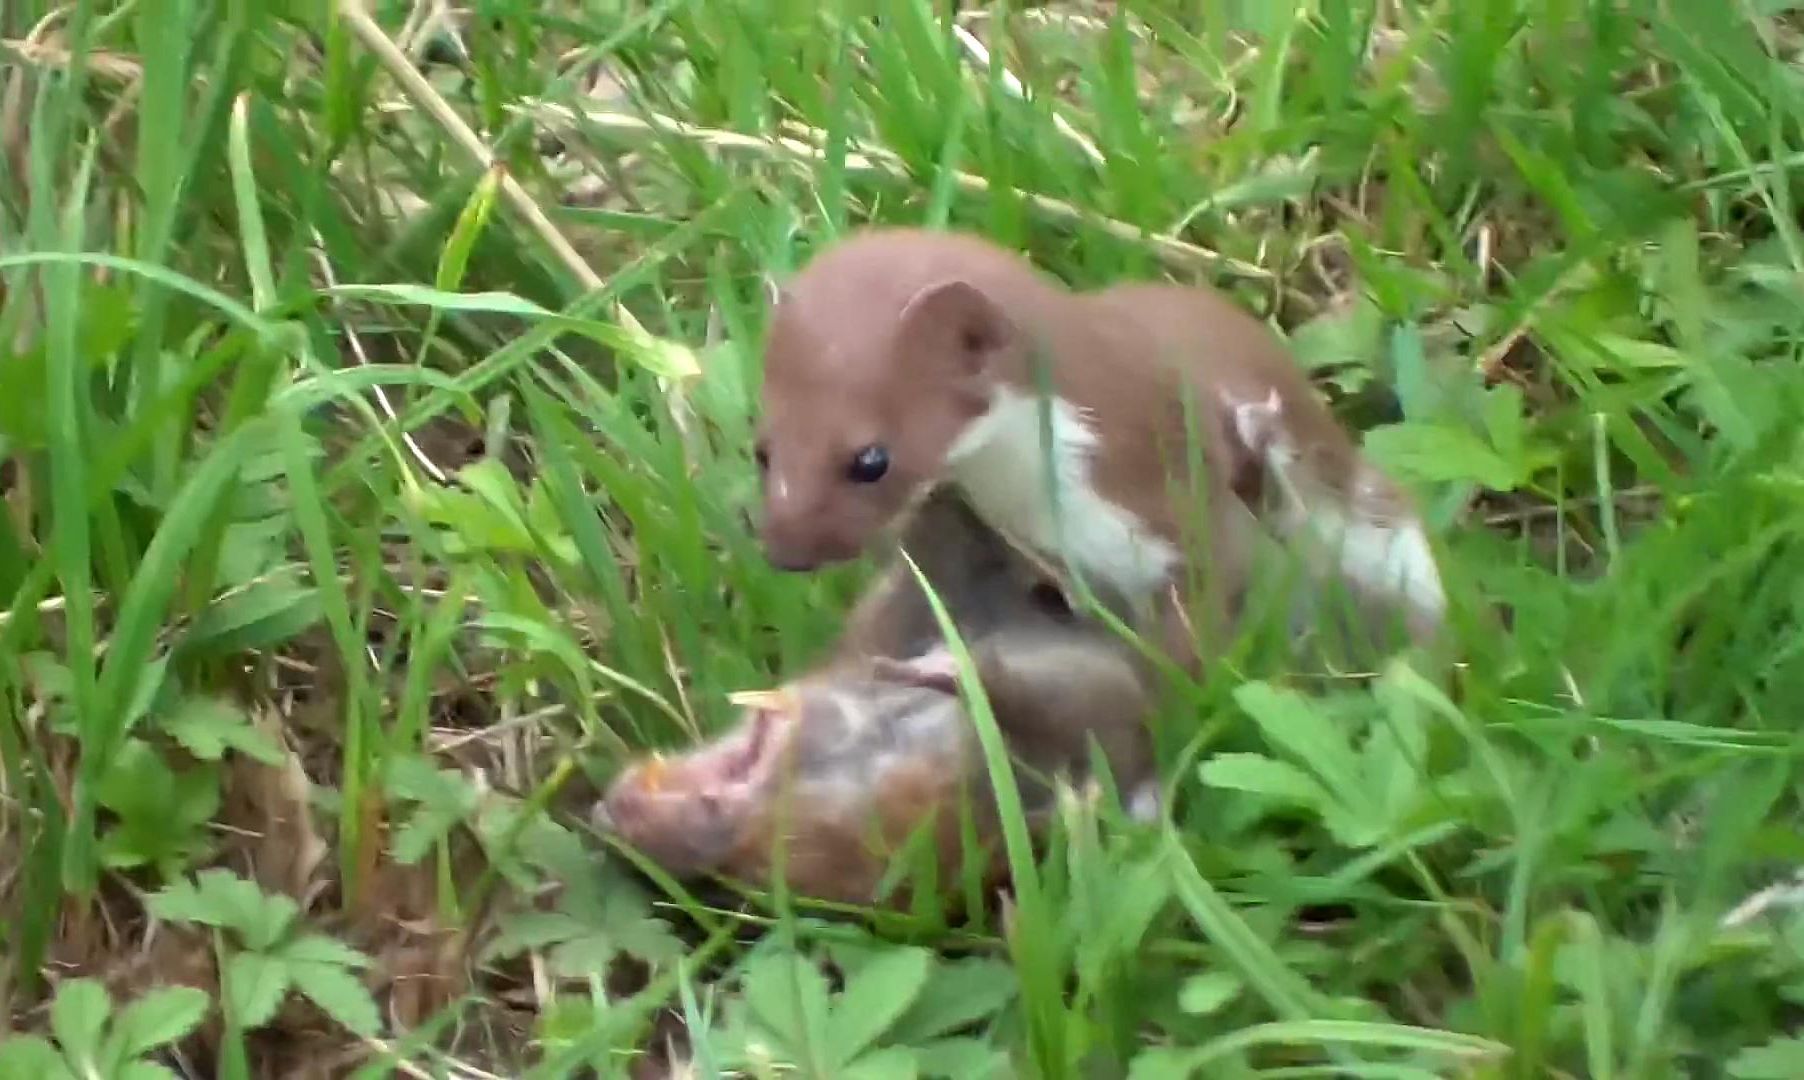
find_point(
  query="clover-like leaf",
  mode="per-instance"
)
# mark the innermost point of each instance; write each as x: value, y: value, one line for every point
x: 208, y: 726
x: 162, y: 1016
x: 339, y: 994
x: 254, y: 987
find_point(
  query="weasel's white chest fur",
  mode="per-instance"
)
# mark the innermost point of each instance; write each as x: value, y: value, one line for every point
x: 1002, y: 465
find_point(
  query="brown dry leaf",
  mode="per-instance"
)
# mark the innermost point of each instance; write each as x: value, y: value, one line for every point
x: 270, y: 805
x: 423, y: 976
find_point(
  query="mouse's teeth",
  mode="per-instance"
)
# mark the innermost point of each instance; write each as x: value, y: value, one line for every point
x: 652, y: 772
x: 781, y: 699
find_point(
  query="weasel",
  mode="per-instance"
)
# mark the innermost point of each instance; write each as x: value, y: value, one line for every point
x: 876, y: 741
x: 898, y: 360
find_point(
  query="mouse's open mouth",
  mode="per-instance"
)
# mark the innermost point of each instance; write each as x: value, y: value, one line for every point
x: 739, y: 758
x: 751, y: 748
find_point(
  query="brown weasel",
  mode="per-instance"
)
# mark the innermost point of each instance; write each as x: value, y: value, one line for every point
x: 844, y: 766
x: 876, y: 741
x: 901, y: 359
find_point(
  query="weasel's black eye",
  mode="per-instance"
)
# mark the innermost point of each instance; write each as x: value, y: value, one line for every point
x: 868, y: 465
x: 761, y: 454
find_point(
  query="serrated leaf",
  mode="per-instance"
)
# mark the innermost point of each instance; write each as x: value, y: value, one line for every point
x: 1351, y: 335
x: 261, y: 616
x: 1262, y: 775
x: 647, y: 938
x: 1136, y: 893
x: 879, y: 992
x: 162, y: 1016
x: 424, y: 828
x: 444, y: 800
x: 417, y: 779
x: 161, y: 813
x: 320, y: 949
x: 786, y: 995
x: 254, y: 987
x: 339, y: 994
x: 957, y: 993
x: 250, y: 551
x: 521, y: 931
x: 221, y: 898
x: 208, y: 726
x: 78, y: 1015
x: 1299, y: 726
x: 1437, y: 453
x: 33, y: 1056
x: 1209, y: 992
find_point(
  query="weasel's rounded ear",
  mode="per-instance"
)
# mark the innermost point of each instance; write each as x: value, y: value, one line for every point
x: 963, y: 316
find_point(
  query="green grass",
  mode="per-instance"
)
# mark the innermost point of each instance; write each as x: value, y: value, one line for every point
x: 259, y: 296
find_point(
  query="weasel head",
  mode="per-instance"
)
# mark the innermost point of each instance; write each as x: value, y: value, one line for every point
x: 867, y: 386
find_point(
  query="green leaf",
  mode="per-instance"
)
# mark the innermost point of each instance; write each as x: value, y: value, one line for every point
x: 339, y: 994
x: 162, y: 1016
x: 254, y: 987
x: 875, y: 995
x: 1302, y: 729
x: 787, y: 997
x: 893, y: 1063
x: 77, y: 1017
x: 464, y: 232
x: 1284, y: 990
x: 961, y: 1058
x: 623, y: 923
x: 146, y: 1070
x: 1779, y: 1059
x: 320, y: 949
x: 958, y: 993
x: 1262, y: 775
x: 521, y: 931
x: 33, y: 1056
x: 208, y: 726
x: 443, y: 799
x: 221, y: 898
x: 1209, y: 992
x: 1161, y: 1063
x: 1436, y: 453
x: 268, y: 613
x: 1352, y: 335
x: 162, y: 813
x: 661, y: 357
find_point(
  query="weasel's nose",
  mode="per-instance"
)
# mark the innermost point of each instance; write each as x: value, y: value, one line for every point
x: 790, y: 548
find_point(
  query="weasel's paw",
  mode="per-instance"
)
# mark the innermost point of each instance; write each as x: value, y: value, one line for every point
x: 934, y: 668
x: 1145, y: 804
